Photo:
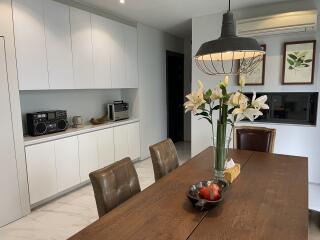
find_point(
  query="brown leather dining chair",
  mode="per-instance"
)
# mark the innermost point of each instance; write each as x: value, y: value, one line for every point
x: 164, y: 158
x: 258, y: 139
x: 114, y: 184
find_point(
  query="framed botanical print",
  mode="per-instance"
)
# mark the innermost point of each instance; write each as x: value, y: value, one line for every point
x: 298, y: 62
x: 256, y: 77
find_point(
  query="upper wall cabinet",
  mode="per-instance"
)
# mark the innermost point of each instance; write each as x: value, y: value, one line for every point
x: 131, y: 56
x: 118, y: 75
x: 81, y: 36
x: 101, y: 41
x: 30, y: 44
x: 58, y: 43
x: 59, y: 47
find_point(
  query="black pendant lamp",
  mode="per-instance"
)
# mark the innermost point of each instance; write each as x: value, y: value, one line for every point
x: 229, y: 54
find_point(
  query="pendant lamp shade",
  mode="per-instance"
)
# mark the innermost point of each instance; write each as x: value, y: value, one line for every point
x: 229, y: 54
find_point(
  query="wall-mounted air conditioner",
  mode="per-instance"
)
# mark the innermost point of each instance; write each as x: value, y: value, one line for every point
x: 300, y: 21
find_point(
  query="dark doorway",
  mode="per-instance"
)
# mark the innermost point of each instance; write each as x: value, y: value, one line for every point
x: 175, y: 96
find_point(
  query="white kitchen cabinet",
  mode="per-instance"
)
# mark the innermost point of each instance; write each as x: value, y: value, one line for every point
x: 131, y: 57
x: 10, y: 207
x: 41, y: 169
x: 67, y: 162
x: 121, y: 146
x: 81, y: 37
x: 105, y: 147
x: 101, y: 51
x: 118, y: 75
x: 88, y: 154
x: 28, y: 18
x: 58, y: 45
x: 134, y: 140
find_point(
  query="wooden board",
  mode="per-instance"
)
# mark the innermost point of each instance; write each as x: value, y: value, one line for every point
x: 261, y: 204
x: 269, y: 200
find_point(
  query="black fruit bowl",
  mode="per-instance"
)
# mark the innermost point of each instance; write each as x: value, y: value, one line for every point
x: 203, y: 204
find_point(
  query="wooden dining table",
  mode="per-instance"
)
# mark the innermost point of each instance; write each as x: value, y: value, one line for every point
x: 269, y: 200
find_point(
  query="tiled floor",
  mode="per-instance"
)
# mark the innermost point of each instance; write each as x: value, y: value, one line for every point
x: 67, y: 215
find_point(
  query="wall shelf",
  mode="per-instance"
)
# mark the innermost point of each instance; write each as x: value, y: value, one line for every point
x: 30, y: 140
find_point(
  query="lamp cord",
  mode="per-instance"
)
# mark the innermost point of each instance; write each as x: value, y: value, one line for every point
x: 229, y: 6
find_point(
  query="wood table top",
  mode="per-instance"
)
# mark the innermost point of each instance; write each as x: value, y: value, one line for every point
x: 269, y: 200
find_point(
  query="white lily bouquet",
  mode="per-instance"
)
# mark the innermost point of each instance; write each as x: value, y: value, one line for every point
x: 233, y: 107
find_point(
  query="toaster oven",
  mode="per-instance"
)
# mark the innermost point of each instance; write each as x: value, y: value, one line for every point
x: 118, y: 110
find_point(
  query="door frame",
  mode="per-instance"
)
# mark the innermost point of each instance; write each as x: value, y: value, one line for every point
x: 168, y: 54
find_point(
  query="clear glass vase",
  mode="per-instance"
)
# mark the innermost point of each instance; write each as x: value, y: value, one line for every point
x: 221, y: 151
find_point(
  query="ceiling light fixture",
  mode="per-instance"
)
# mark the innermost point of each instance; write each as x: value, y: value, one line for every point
x: 212, y: 56
x: 122, y: 1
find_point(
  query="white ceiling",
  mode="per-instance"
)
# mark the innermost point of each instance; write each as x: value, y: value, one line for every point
x: 173, y: 16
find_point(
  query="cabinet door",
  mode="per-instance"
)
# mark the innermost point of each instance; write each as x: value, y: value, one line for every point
x: 28, y: 17
x: 121, y: 148
x: 81, y: 37
x: 118, y: 76
x: 88, y: 154
x: 101, y: 52
x: 10, y: 207
x: 41, y: 171
x: 134, y: 140
x: 67, y: 162
x: 131, y: 57
x: 58, y: 43
x: 105, y: 147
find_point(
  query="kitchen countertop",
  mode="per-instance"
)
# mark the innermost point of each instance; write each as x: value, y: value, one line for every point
x: 30, y: 140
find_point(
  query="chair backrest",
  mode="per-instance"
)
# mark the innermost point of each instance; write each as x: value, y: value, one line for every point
x: 114, y: 184
x: 164, y: 158
x: 254, y: 138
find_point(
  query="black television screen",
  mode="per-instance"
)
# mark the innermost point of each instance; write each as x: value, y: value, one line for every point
x: 295, y: 108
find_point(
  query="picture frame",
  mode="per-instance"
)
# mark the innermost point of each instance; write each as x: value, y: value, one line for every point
x: 257, y: 76
x: 298, y: 62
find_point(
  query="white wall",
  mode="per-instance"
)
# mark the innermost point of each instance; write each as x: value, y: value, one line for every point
x: 152, y: 46
x: 291, y: 139
x: 86, y: 103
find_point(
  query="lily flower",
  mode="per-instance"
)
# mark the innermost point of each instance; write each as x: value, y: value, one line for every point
x: 216, y: 94
x: 249, y: 113
x: 260, y: 102
x: 225, y: 82
x: 243, y: 111
x: 196, y: 99
x: 236, y: 98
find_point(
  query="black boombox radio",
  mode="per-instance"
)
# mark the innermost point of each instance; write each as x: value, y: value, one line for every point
x: 41, y: 123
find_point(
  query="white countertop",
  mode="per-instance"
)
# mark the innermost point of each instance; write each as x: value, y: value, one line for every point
x: 29, y: 140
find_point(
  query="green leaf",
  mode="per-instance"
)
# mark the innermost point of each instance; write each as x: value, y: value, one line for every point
x: 224, y: 90
x: 208, y: 119
x: 308, y: 60
x: 208, y: 93
x: 202, y: 114
x: 231, y: 110
x: 290, y: 61
x: 305, y: 65
x: 292, y: 56
x: 216, y: 107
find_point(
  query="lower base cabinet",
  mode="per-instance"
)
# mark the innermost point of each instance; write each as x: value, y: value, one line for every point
x: 67, y: 163
x: 88, y: 154
x: 42, y: 177
x: 58, y: 165
x: 127, y: 141
x: 105, y: 147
